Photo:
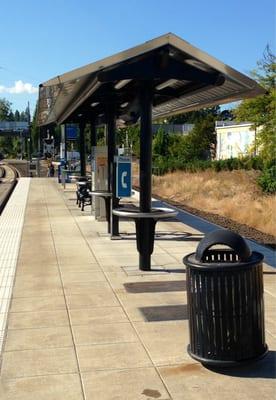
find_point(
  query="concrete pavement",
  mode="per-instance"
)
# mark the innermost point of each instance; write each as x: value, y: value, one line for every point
x: 85, y: 323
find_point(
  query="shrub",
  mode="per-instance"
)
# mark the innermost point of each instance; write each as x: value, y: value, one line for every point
x: 267, y: 180
x: 216, y: 165
x: 197, y: 165
x: 257, y: 163
x: 164, y: 164
x: 269, y: 163
x: 160, y: 166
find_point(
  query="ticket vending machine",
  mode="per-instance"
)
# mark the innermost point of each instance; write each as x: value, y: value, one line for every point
x: 99, y: 173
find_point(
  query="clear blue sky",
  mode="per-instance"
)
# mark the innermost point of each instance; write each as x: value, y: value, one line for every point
x: 41, y: 39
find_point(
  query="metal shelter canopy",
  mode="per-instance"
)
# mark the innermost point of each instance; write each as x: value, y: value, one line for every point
x: 183, y: 78
x: 162, y: 77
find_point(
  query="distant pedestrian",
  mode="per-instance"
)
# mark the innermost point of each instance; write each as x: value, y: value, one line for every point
x: 51, y: 170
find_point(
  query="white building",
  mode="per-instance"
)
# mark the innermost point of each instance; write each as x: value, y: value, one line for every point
x: 234, y: 139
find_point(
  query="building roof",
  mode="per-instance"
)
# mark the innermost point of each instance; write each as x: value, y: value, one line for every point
x: 228, y: 124
x: 183, y: 78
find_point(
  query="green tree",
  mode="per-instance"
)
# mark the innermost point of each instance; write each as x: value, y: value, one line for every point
x: 261, y: 110
x: 202, y: 139
x: 197, y: 145
x: 17, y: 115
x: 130, y: 137
x: 24, y: 116
x: 161, y: 143
x: 178, y: 146
x: 6, y: 113
x: 35, y: 132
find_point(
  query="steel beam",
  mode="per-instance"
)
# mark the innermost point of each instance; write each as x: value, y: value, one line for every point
x: 93, y: 132
x: 153, y: 68
x: 93, y: 143
x: 145, y: 146
x: 113, y: 229
x: 145, y: 227
x: 82, y: 149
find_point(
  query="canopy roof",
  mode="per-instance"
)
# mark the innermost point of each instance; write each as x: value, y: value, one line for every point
x: 183, y: 78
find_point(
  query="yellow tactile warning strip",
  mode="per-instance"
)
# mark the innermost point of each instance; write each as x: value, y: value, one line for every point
x: 11, y: 224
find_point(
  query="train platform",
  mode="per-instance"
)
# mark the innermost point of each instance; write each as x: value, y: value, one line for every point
x: 80, y: 321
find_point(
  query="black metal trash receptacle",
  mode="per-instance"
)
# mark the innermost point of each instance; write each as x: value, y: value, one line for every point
x: 225, y: 301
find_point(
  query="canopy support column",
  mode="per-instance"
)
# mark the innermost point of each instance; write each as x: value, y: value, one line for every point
x: 93, y: 144
x: 65, y: 144
x: 145, y: 231
x: 82, y: 149
x: 93, y: 132
x: 113, y: 220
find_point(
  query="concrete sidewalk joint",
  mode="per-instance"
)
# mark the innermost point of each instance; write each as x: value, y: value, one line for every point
x: 86, y: 324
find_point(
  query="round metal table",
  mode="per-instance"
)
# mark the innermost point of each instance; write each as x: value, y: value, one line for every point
x: 145, y: 229
x: 155, y: 213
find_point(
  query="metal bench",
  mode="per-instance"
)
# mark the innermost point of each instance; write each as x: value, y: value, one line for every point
x: 82, y: 193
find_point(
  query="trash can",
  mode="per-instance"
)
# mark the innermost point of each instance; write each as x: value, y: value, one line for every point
x: 225, y: 301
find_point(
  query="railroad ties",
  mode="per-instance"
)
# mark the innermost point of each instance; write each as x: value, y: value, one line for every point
x: 8, y: 181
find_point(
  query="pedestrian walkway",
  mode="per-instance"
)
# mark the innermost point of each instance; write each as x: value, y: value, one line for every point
x: 85, y: 323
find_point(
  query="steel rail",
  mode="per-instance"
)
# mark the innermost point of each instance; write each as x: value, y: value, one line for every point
x: 7, y: 185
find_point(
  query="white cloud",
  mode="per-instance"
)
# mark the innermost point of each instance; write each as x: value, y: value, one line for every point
x: 18, y: 88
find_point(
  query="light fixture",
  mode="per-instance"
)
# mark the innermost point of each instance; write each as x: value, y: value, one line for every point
x: 124, y: 104
x: 79, y: 115
x: 197, y: 64
x: 122, y: 83
x: 94, y: 104
x: 165, y: 84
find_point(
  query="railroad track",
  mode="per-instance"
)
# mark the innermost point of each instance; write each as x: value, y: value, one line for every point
x: 8, y: 180
x: 2, y: 173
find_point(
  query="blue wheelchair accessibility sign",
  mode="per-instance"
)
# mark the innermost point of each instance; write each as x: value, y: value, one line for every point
x: 123, y: 186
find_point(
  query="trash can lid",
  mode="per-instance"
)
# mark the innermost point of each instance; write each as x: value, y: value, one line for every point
x: 223, y: 237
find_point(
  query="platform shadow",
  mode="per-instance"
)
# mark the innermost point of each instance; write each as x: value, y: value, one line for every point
x: 264, y: 368
x: 155, y: 287
x: 165, y: 313
x: 167, y: 235
x: 177, y: 270
x: 178, y: 236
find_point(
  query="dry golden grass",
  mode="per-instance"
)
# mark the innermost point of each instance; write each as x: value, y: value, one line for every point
x: 234, y: 195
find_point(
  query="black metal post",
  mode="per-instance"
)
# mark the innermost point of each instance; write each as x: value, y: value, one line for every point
x: 145, y: 227
x: 93, y: 132
x: 93, y: 143
x: 145, y: 146
x: 65, y: 144
x: 82, y: 149
x: 111, y: 146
